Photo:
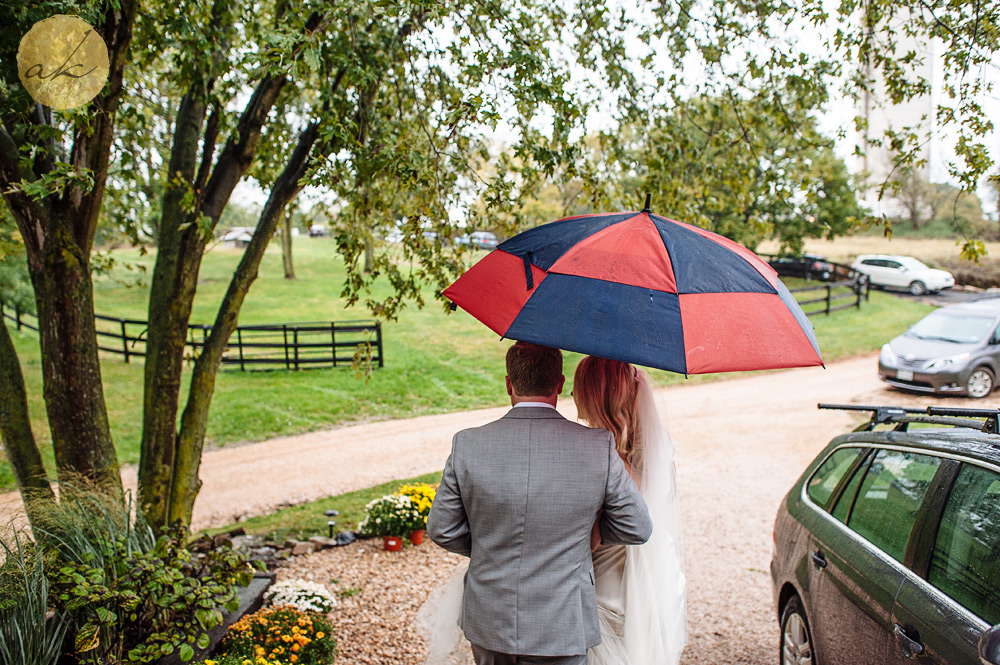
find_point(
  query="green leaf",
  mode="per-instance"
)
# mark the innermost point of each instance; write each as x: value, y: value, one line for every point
x: 87, y: 638
x: 106, y: 615
x: 186, y: 652
x: 203, y: 641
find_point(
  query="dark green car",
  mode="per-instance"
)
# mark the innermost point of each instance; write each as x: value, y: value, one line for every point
x: 887, y: 549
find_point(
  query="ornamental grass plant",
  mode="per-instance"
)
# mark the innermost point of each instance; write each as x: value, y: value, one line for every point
x: 28, y: 636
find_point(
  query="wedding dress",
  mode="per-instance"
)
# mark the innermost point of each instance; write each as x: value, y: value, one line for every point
x: 640, y: 589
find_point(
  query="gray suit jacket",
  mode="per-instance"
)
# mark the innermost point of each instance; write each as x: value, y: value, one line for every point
x: 519, y: 496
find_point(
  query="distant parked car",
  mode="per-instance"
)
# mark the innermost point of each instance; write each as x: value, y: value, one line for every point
x: 952, y: 350
x: 483, y: 239
x: 317, y: 231
x: 807, y: 266
x: 887, y: 549
x: 903, y: 272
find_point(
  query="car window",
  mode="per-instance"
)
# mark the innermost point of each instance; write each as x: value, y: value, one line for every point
x: 846, y: 500
x: 828, y: 475
x: 871, y: 262
x: 965, y: 563
x: 892, y: 264
x: 952, y: 327
x: 890, y: 495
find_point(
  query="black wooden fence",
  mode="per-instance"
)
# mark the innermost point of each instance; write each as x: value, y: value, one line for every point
x: 853, y: 290
x: 292, y: 345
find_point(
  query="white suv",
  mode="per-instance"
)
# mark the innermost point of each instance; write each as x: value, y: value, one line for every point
x: 903, y: 272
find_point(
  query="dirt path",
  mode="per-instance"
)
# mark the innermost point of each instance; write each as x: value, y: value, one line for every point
x: 741, y: 444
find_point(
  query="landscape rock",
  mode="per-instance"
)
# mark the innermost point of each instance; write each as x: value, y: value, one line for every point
x: 345, y: 538
x: 322, y: 542
x: 301, y: 549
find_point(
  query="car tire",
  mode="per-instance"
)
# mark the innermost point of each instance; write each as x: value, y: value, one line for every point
x: 796, y: 637
x: 918, y: 288
x: 980, y: 383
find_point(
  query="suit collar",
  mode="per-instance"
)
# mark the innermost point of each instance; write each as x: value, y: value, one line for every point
x: 533, y: 412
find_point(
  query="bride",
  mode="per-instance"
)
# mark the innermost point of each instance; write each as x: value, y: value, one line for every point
x: 640, y: 588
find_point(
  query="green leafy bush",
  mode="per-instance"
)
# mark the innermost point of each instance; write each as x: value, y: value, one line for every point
x: 150, y: 604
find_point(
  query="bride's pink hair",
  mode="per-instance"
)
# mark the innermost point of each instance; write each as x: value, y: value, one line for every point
x: 605, y: 393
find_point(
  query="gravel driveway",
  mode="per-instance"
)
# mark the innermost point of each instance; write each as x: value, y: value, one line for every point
x: 741, y: 444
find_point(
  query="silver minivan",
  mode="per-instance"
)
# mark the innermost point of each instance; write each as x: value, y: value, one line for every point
x: 953, y: 350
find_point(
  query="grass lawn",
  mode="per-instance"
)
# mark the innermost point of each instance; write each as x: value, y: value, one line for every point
x: 309, y: 519
x: 434, y: 362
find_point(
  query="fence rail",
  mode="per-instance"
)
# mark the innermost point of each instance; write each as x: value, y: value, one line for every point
x: 856, y: 290
x: 292, y: 345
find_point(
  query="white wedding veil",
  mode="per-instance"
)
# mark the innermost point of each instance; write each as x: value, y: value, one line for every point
x: 655, y: 629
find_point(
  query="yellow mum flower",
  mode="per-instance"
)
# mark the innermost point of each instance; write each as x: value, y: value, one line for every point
x: 320, y: 635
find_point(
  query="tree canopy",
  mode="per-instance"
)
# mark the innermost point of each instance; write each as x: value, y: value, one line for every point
x: 385, y: 107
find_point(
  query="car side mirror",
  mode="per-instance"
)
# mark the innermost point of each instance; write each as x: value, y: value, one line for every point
x: 989, y: 646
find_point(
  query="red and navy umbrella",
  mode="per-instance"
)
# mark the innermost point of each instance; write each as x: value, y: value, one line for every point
x: 637, y: 287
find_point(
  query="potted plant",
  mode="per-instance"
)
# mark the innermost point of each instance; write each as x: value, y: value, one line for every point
x: 422, y: 496
x: 390, y: 516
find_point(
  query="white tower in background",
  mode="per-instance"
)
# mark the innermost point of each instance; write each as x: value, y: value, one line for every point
x: 912, y: 116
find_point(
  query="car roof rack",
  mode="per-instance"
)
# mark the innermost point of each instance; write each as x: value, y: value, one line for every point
x: 903, y: 416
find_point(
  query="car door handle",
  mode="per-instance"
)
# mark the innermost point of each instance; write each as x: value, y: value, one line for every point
x: 910, y: 647
x: 819, y: 559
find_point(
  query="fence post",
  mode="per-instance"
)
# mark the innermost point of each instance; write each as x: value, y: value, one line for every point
x: 17, y: 315
x: 295, y: 340
x: 284, y: 331
x: 124, y: 340
x: 378, y: 338
x: 829, y: 290
x: 333, y: 342
x: 239, y: 342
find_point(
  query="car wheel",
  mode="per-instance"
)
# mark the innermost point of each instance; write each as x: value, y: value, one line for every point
x: 918, y: 288
x: 980, y: 383
x: 796, y: 638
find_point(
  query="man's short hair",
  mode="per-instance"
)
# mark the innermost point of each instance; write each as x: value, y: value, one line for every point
x: 534, y: 370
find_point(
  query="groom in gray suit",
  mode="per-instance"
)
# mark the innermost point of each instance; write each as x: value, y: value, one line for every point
x: 520, y: 497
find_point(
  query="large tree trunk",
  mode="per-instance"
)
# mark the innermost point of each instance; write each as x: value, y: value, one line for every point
x: 183, y: 235
x: 15, y: 430
x: 286, y: 245
x: 186, y: 482
x: 58, y: 232
x: 71, y: 368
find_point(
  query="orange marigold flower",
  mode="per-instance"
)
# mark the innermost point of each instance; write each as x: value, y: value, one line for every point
x: 293, y: 658
x: 320, y: 635
x: 295, y: 648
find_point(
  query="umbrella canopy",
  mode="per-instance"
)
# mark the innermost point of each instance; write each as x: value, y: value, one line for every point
x: 637, y: 287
